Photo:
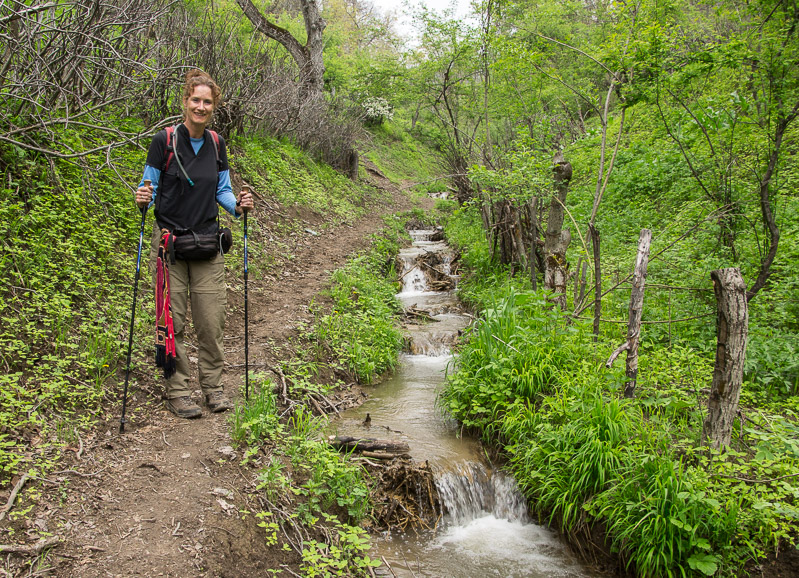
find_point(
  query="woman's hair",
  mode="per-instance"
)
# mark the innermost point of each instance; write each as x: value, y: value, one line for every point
x: 197, y: 77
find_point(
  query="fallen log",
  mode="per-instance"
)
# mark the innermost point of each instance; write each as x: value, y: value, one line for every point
x: 369, y: 445
x: 385, y: 455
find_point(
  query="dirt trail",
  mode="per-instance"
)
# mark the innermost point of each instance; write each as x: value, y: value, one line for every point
x: 166, y: 497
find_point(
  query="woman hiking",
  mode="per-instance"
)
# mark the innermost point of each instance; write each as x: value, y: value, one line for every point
x: 188, y: 176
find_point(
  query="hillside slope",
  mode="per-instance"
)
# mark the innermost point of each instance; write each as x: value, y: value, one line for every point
x: 170, y: 497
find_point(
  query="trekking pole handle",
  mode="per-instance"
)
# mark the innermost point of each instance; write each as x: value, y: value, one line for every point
x: 147, y: 183
x: 246, y: 190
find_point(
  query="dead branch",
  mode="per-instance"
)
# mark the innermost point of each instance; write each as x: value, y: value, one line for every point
x: 371, y: 445
x: 623, y: 347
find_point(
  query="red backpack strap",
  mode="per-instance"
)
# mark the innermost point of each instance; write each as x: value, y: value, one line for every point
x: 215, y: 136
x: 170, y: 150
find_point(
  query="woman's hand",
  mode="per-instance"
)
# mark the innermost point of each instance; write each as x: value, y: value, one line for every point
x: 144, y: 195
x: 245, y: 202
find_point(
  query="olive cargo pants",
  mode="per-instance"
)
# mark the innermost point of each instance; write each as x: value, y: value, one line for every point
x: 204, y: 283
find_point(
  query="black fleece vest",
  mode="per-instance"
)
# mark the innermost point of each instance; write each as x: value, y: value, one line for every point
x: 179, y: 205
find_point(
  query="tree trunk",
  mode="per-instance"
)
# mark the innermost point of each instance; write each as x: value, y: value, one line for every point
x: 765, y: 207
x: 597, y: 280
x: 308, y: 57
x: 732, y: 325
x: 557, y: 239
x: 314, y: 27
x: 532, y: 239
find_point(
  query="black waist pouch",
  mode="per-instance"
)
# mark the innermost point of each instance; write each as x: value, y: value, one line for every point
x: 191, y: 246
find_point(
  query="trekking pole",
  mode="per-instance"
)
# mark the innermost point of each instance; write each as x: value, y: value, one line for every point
x: 246, y: 314
x: 147, y: 183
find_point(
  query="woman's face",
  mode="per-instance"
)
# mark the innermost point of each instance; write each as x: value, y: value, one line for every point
x: 200, y: 106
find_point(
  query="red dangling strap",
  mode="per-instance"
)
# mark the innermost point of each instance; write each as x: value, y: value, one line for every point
x: 165, y: 353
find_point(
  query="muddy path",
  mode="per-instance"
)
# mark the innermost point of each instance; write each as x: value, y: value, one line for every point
x: 169, y: 497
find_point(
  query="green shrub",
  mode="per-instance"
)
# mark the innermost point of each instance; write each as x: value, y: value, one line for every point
x: 285, y: 172
x: 67, y: 263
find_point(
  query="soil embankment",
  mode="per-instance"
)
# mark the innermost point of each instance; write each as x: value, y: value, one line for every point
x: 169, y: 497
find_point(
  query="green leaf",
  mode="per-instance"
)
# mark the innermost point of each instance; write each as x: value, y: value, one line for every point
x: 705, y: 563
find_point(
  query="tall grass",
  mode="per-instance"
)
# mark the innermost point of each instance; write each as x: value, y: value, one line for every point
x: 257, y: 421
x: 516, y: 351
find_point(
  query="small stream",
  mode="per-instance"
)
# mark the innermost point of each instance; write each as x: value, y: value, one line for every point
x: 487, y: 530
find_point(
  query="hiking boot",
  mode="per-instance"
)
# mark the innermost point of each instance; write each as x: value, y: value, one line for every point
x: 184, y: 407
x: 216, y: 401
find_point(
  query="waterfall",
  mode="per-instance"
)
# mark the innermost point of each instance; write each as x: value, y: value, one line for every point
x: 471, y: 491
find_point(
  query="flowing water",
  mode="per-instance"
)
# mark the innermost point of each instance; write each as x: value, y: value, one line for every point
x: 486, y: 530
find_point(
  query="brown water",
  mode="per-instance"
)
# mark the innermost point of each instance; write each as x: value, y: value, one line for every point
x: 487, y: 530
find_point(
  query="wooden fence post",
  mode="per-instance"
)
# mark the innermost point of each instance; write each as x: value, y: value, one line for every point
x: 635, y: 313
x: 732, y: 326
x: 532, y: 235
